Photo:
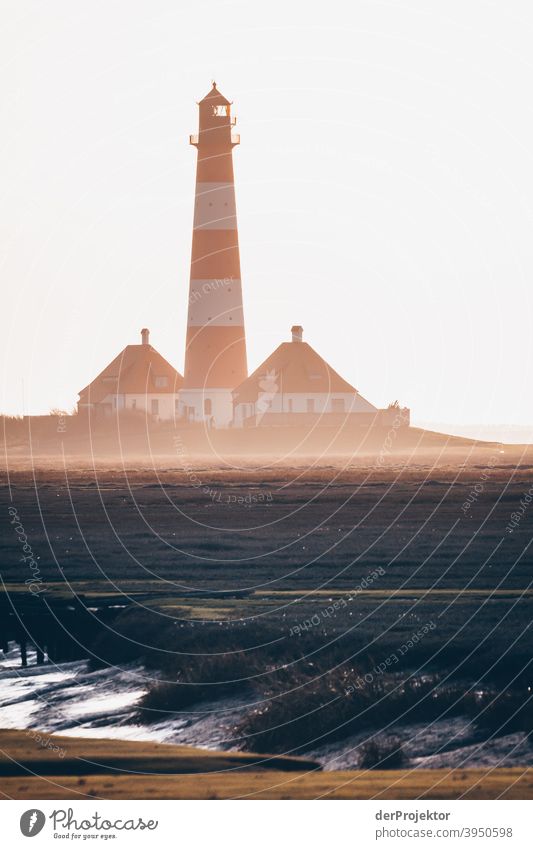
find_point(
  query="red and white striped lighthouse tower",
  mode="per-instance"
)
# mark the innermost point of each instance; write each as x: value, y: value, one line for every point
x: 215, y: 357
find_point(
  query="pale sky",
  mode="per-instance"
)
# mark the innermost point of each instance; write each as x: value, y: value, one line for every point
x: 384, y: 190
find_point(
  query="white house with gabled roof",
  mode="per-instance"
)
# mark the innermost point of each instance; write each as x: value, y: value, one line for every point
x: 295, y: 385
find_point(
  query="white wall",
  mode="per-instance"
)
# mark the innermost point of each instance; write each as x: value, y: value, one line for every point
x: 172, y: 404
x: 143, y: 402
x: 221, y: 405
x: 281, y: 403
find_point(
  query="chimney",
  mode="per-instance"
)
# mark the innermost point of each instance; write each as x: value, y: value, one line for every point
x: 297, y: 333
x: 145, y: 336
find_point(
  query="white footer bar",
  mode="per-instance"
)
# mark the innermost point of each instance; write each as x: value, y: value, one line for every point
x: 268, y: 824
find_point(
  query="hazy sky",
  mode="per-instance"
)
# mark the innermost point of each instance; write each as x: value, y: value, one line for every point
x: 384, y: 190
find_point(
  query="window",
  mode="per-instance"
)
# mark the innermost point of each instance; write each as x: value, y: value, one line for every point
x: 337, y: 405
x: 221, y: 111
x: 161, y: 382
x: 208, y: 407
x: 176, y: 405
x: 310, y: 405
x: 134, y: 403
x: 290, y: 405
x: 154, y: 406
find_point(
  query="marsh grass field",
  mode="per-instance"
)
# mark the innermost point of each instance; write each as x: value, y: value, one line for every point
x: 148, y: 771
x: 376, y: 619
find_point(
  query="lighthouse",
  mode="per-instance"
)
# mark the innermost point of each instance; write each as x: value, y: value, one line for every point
x: 215, y: 356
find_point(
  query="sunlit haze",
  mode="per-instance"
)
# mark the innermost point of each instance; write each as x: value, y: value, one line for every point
x: 383, y: 182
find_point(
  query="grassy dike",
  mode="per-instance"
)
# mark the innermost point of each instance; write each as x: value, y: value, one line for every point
x: 35, y: 765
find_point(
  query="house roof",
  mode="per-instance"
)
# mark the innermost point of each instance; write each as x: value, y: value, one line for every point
x: 133, y: 371
x: 294, y: 367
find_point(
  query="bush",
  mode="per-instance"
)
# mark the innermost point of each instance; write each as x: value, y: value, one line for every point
x: 135, y: 632
x: 504, y: 713
x: 382, y: 753
x: 301, y: 711
x: 317, y: 710
x: 209, y: 677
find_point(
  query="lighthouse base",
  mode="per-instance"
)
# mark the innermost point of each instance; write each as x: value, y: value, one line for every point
x: 212, y: 406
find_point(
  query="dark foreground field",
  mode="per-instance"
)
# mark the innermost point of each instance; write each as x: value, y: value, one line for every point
x: 314, y: 606
x: 287, y: 541
x: 439, y: 526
